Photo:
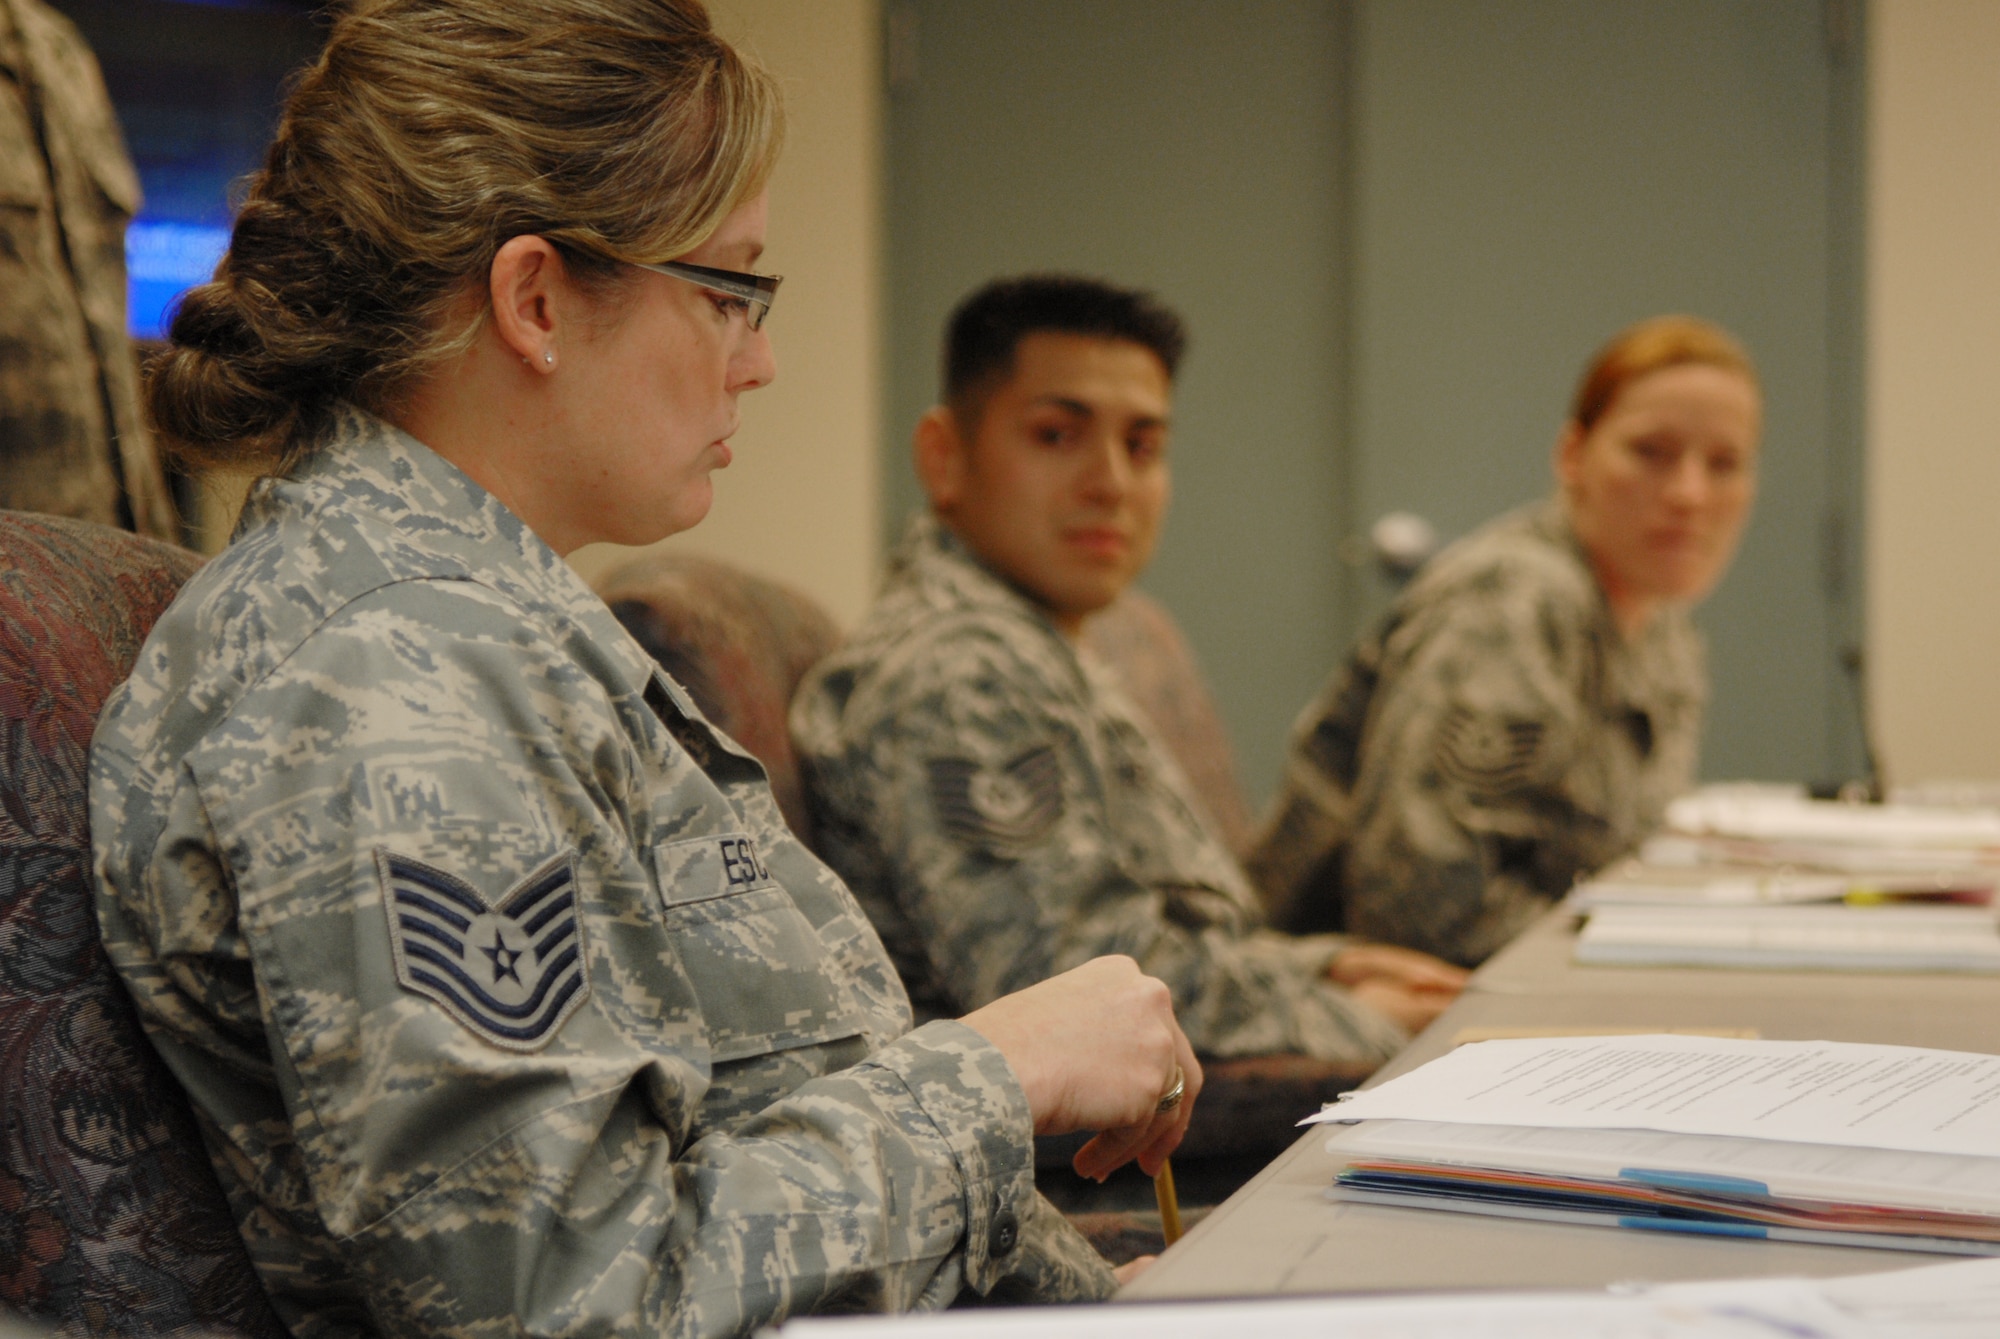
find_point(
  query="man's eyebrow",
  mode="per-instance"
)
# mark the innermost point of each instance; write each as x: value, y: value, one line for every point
x: 1065, y: 403
x: 1083, y: 409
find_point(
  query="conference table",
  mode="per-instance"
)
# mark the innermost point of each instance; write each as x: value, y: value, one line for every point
x: 1281, y: 1234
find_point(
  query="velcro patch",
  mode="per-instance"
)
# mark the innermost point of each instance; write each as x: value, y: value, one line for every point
x: 511, y: 973
x: 699, y: 869
x: 1005, y: 808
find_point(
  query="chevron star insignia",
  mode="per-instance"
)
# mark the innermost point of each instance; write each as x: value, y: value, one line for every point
x: 1004, y: 809
x: 512, y: 972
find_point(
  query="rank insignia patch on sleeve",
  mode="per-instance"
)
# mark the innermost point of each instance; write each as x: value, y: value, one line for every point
x: 1002, y: 808
x: 511, y: 973
x: 1489, y: 754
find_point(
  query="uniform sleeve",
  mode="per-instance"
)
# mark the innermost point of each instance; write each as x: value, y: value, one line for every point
x: 1014, y: 857
x: 527, y: 1156
x: 1456, y: 818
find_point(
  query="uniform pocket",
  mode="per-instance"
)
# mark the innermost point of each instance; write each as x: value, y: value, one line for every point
x: 760, y: 970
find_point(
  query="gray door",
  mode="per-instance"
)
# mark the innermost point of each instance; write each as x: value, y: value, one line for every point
x: 1397, y: 227
x: 1530, y: 176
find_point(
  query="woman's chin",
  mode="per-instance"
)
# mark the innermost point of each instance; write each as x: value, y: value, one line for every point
x: 690, y: 509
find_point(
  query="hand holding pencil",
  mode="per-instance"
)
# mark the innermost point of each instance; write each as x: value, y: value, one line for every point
x: 1098, y: 1048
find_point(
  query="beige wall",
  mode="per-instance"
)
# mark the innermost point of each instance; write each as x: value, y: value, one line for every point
x: 800, y: 502
x: 1934, y: 386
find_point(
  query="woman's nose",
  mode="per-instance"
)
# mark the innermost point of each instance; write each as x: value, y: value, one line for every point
x: 1688, y: 485
x: 754, y: 364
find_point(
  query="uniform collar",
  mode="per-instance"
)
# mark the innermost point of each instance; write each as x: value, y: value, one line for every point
x: 934, y: 558
x: 430, y: 518
x: 1643, y: 671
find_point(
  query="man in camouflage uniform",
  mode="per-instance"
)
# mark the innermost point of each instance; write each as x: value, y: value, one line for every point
x: 507, y: 1000
x: 992, y: 796
x: 72, y: 441
x: 1495, y: 737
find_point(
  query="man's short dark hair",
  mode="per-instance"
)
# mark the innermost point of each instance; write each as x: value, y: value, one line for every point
x: 988, y: 327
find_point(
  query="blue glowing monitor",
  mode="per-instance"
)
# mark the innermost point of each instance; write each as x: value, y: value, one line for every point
x: 163, y: 259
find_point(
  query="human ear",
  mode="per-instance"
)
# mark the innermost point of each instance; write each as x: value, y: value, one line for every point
x: 1568, y: 455
x: 940, y: 451
x: 521, y: 285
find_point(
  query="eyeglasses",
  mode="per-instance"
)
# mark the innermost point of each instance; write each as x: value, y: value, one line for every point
x: 755, y: 291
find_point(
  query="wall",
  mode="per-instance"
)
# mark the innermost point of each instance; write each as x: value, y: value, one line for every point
x: 800, y: 502
x: 1398, y: 228
x: 1192, y: 148
x: 1934, y: 386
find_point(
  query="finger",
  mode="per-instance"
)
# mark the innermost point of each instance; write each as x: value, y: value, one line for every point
x: 1441, y: 974
x: 1108, y: 1150
x: 1168, y: 1137
x: 1151, y: 1140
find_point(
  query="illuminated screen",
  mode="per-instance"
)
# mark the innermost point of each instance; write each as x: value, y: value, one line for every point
x: 164, y: 259
x: 196, y: 85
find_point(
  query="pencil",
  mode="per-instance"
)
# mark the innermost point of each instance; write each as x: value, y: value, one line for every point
x: 1170, y: 1206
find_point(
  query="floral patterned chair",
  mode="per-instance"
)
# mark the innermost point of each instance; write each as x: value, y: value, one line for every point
x: 738, y: 643
x: 111, y: 1220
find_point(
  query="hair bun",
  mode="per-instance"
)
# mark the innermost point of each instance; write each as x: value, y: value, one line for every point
x: 427, y: 133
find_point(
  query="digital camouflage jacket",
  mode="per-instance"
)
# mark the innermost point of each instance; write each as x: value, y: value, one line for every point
x: 507, y: 1001
x: 1495, y: 737
x: 72, y: 441
x: 1004, y: 813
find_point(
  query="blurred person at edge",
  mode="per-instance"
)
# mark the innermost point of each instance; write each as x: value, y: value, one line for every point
x: 72, y: 439
x: 505, y: 998
x: 986, y: 786
x: 1534, y: 698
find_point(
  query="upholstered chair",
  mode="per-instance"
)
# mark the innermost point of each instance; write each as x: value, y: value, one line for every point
x: 738, y: 643
x: 111, y: 1220
x: 1139, y: 639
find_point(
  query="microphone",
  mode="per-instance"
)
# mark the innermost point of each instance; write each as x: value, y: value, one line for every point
x: 1873, y: 788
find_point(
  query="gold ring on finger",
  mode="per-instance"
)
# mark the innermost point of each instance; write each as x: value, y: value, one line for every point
x: 1171, y: 1098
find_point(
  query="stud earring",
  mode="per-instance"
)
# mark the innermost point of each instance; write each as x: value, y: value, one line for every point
x: 549, y: 357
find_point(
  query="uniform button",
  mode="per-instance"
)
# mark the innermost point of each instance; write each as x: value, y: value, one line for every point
x: 1006, y: 1233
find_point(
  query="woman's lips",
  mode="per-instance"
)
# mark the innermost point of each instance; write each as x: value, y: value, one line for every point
x: 1098, y: 542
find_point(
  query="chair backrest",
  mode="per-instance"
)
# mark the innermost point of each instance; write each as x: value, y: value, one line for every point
x: 1139, y: 639
x: 111, y: 1217
x: 738, y: 643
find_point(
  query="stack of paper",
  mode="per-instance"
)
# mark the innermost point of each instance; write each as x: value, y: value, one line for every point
x: 1637, y: 883
x: 1759, y: 826
x: 1954, y: 1301
x: 1884, y: 1146
x: 1846, y: 938
x: 1757, y: 877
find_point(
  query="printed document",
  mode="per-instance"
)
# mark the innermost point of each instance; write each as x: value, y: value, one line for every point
x: 1844, y: 1093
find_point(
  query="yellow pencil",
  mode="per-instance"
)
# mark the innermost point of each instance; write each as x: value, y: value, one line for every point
x: 1170, y: 1206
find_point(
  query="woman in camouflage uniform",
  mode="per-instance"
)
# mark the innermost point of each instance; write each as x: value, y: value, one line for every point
x: 1534, y: 698
x: 506, y: 999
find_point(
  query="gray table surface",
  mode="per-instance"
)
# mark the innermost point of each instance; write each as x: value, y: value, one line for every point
x: 1280, y: 1234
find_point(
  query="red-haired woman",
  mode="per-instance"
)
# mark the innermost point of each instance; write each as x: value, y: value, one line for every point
x: 1534, y: 698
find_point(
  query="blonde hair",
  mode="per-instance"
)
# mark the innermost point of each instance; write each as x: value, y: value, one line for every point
x: 1649, y: 346
x: 427, y: 134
